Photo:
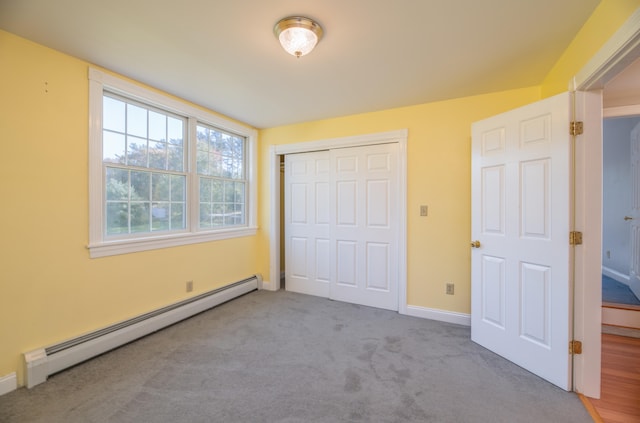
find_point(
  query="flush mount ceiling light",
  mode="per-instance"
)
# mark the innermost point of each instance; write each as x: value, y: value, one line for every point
x: 298, y: 35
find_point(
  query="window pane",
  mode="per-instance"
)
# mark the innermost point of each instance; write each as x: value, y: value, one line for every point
x: 227, y: 170
x: 176, y: 130
x: 136, y: 152
x: 205, y: 215
x: 176, y: 158
x: 117, y: 218
x: 178, y: 220
x: 215, y: 141
x: 239, y: 168
x: 160, y: 217
x: 158, y: 155
x: 113, y: 114
x: 205, y: 190
x: 229, y: 214
x: 202, y: 162
x: 161, y: 187
x: 140, y: 221
x: 225, y: 145
x: 117, y: 184
x: 157, y: 126
x: 140, y: 185
x: 136, y: 121
x: 239, y: 192
x: 113, y: 147
x: 177, y: 188
x: 215, y: 164
x: 240, y: 216
x: 217, y: 191
x: 238, y: 147
x: 202, y: 136
x: 217, y: 214
x: 229, y: 192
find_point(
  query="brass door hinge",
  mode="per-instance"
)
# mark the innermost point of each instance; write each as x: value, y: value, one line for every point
x: 575, y: 238
x: 575, y: 347
x: 576, y: 128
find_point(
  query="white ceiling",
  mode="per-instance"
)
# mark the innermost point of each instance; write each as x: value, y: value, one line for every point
x: 375, y: 54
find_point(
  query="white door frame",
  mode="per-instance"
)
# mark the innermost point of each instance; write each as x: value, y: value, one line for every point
x: 617, y: 53
x: 275, y: 151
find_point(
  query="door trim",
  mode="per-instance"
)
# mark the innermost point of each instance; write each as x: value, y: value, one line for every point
x: 275, y: 151
x: 618, y: 52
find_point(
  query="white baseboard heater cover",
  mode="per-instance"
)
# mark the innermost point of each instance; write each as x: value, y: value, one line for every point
x: 43, y: 362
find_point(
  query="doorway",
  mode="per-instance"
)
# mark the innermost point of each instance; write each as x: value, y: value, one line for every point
x: 621, y: 111
x: 622, y: 49
x: 618, y: 289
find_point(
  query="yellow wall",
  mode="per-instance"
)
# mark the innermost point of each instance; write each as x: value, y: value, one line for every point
x: 601, y: 25
x: 50, y: 289
x: 439, y: 161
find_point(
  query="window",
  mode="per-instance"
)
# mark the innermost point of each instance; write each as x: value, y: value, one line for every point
x: 220, y: 168
x: 144, y: 163
x: 164, y: 173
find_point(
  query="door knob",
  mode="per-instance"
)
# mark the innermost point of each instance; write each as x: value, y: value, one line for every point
x: 628, y: 218
x: 475, y: 244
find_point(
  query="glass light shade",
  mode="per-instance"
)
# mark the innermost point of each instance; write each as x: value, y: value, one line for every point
x: 298, y: 35
x: 298, y: 41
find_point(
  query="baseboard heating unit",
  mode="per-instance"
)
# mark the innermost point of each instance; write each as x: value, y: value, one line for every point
x: 43, y: 362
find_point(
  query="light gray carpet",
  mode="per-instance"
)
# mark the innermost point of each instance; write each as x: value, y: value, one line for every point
x: 284, y: 357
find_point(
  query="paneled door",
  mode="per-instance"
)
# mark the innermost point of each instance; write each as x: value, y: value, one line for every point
x: 307, y: 226
x: 341, y: 224
x: 520, y: 305
x: 364, y: 237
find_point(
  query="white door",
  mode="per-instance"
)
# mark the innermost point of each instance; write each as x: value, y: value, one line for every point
x: 307, y: 203
x: 364, y: 236
x: 634, y: 216
x: 520, y: 305
x: 341, y: 224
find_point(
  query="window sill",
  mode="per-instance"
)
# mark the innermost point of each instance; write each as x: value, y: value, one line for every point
x: 113, y: 248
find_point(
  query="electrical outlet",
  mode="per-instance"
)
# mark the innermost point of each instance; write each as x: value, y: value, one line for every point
x: 189, y: 286
x: 450, y: 288
x: 608, y: 254
x: 424, y: 210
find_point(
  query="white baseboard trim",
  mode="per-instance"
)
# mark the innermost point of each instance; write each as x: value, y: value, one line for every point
x: 8, y: 383
x: 268, y: 286
x: 615, y: 275
x: 440, y: 315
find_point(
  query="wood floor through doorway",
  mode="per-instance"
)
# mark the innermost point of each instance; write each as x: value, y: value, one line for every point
x: 620, y: 396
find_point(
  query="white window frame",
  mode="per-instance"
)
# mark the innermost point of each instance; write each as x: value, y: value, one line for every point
x: 99, y: 244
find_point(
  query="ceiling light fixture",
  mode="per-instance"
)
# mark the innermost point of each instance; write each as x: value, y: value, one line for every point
x: 298, y: 35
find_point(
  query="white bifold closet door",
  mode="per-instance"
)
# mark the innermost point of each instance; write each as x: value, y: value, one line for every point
x: 307, y: 258
x: 341, y: 224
